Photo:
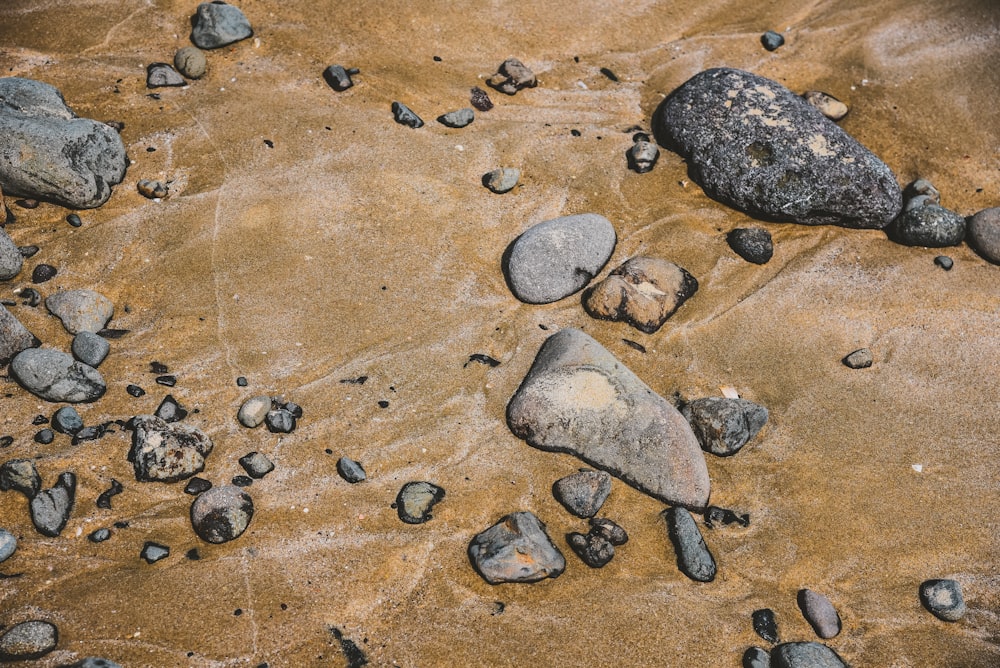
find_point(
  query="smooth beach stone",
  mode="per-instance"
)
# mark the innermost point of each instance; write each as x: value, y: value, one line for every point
x: 415, y: 500
x: 609, y: 530
x: 81, y: 310
x: 42, y: 273
x: 162, y: 452
x: 820, y: 613
x: 558, y: 257
x: 93, y: 662
x: 805, y: 655
x: 643, y: 154
x: 8, y: 544
x: 943, y: 598
x: 756, y: 146
x: 771, y: 40
x: 153, y: 552
x: 516, y: 549
x: 161, y: 75
x: 693, y: 556
x: 190, y: 62
x: 827, y: 104
x: 216, y: 24
x: 11, y: 259
x: 983, y: 234
x: 44, y: 436
x: 765, y: 625
x: 256, y: 464
x: 350, y: 470
x: 859, y: 359
x: 724, y: 425
x: 28, y: 640
x: 753, y: 244
x: 56, y: 376
x: 944, y: 262
x: 50, y: 509
x: 196, y: 486
x: 47, y: 153
x: 458, y: 118
x: 755, y: 657
x: 502, y: 179
x: 253, y: 411
x: 67, y: 420
x: 221, y: 514
x: 405, y: 116
x: 21, y: 476
x: 577, y: 398
x: 14, y: 336
x: 583, y: 493
x: 644, y: 292
x: 338, y: 78
x: 931, y: 226
x: 90, y: 348
x: 512, y: 76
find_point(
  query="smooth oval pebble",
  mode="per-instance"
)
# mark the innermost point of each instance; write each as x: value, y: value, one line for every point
x: 827, y: 104
x: 502, y: 180
x: 415, y: 500
x: 56, y: 376
x: 860, y: 359
x: 693, y: 557
x: 943, y: 598
x: 931, y: 226
x: 8, y: 543
x: 755, y: 657
x: 983, y: 233
x: 28, y: 640
x: 221, y: 514
x: 805, y: 655
x: 191, y: 62
x: 90, y: 348
x: 820, y: 613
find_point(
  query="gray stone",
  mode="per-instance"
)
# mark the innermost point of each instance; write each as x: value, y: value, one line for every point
x: 221, y: 514
x: 578, y: 398
x: 820, y: 613
x: 350, y: 470
x: 458, y: 118
x: 47, y: 153
x: 153, y: 552
x: 162, y: 452
x: 583, y: 493
x: 415, y: 500
x: 405, y: 116
x: 93, y: 662
x: 56, y: 376
x: 502, y: 179
x: 512, y: 76
x: 860, y: 359
x: 516, y: 549
x: 11, y: 260
x: 162, y: 75
x: 943, y: 598
x: 28, y: 640
x: 338, y: 78
x: 81, y: 310
x: 983, y: 232
x: 8, y: 544
x: 558, y: 257
x: 593, y: 549
x: 170, y: 410
x: 644, y: 292
x: 827, y: 104
x: 216, y: 24
x: 280, y: 421
x: 931, y: 226
x: 642, y: 156
x: 755, y: 657
x: 805, y: 655
x: 152, y: 189
x: 922, y: 188
x: 753, y: 244
x: 771, y: 40
x: 253, y: 411
x: 693, y: 556
x: 67, y: 420
x: 90, y: 348
x: 753, y: 144
x: 14, y: 337
x: 256, y: 464
x: 50, y: 508
x: 724, y: 425
x: 21, y: 476
x: 191, y: 62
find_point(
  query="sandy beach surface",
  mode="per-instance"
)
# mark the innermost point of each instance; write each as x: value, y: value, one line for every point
x: 356, y: 246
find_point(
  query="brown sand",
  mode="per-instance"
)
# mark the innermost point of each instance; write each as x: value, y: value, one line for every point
x: 356, y: 246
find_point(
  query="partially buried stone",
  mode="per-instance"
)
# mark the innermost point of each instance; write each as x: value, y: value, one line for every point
x: 242, y: 481
x: 415, y: 500
x: 644, y: 292
x: 90, y: 348
x: 922, y: 188
x: 724, y: 425
x: 765, y: 625
x: 153, y: 552
x: 81, y: 310
x: 593, y: 549
x: 502, y: 179
x: 859, y: 359
x: 253, y: 411
x: 827, y: 104
x: 819, y: 612
x: 350, y: 470
x: 152, y: 189
x: 983, y: 232
x: 457, y: 119
x: 42, y: 273
x: 190, y: 62
x: 256, y: 464
x: 578, y: 398
x: 170, y: 411
x: 74, y: 220
x: 931, y: 226
x: 753, y: 144
x: 91, y: 662
x: 8, y: 544
x: 21, y: 476
x: 943, y: 598
x: 166, y: 453
x: 161, y: 75
x: 216, y: 24
x: 337, y: 77
x: 805, y: 655
x: 67, y: 420
x: 516, y: 549
x: 642, y: 156
x: 11, y: 260
x: 404, y: 116
x: 944, y: 262
x: 135, y: 391
x: 512, y: 76
x: 104, y: 500
x: 771, y: 40
x: 50, y: 509
x: 14, y: 336
x: 99, y: 536
x: 753, y: 244
x: 56, y: 376
x: 693, y: 556
x: 221, y: 514
x: 583, y: 493
x: 280, y: 421
x: 755, y: 657
x: 28, y: 640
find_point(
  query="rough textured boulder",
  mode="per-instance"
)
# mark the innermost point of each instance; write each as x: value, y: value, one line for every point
x: 162, y: 452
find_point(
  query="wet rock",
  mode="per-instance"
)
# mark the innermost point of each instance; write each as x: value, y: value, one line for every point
x: 753, y: 244
x: 859, y: 359
x: 943, y: 598
x: 609, y: 530
x: 74, y: 220
x: 644, y: 292
x: 153, y: 552
x: 50, y: 508
x: 8, y: 544
x: 161, y: 75
x: 583, y: 493
x: 47, y: 152
x: 221, y: 514
x: 827, y: 104
x: 216, y: 24
x: 11, y: 260
x: 415, y: 500
x: 577, y: 398
x: 242, y: 480
x: 724, y: 425
x: 253, y: 411
x: 104, y: 500
x: 755, y: 657
x: 28, y: 640
x: 280, y: 421
x: 81, y: 310
x: 931, y: 226
x: 405, y: 116
x: 819, y: 612
x: 480, y: 99
x: 56, y: 376
x: 152, y: 189
x: 170, y: 411
x: 92, y: 662
x: 44, y: 436
x: 350, y: 470
x: 457, y: 119
x: 558, y: 257
x: 765, y: 625
x: 771, y: 40
x: 643, y: 154
x: 693, y: 557
x: 805, y: 655
x: 90, y: 348
x: 512, y: 76
x: 516, y: 549
x: 983, y: 232
x: 30, y: 296
x: 944, y: 262
x: 99, y: 536
x: 14, y: 337
x: 593, y: 549
x: 753, y: 144
x: 135, y: 391
x: 166, y: 453
x: 190, y: 62
x: 256, y: 464
x: 21, y: 476
x: 714, y: 515
x: 338, y: 78
x: 67, y: 420
x: 196, y: 486
x: 502, y: 180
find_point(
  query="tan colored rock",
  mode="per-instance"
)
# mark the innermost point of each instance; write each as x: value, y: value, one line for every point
x: 644, y: 292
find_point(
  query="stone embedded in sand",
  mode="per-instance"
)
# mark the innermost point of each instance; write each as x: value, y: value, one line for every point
x: 90, y: 348
x: 512, y: 76
x: 805, y: 655
x: 14, y: 337
x: 516, y: 549
x: 81, y: 310
x: 859, y: 359
x: 558, y: 257
x: 162, y: 452
x: 644, y: 292
x: 216, y: 24
x: 578, y: 398
x: 254, y: 410
x: 930, y: 225
x: 153, y: 552
x: 502, y: 179
x: 350, y: 470
x: 28, y: 640
x: 337, y: 77
x: 755, y: 657
x: 765, y: 624
x: 47, y: 153
x: 415, y: 500
x: 11, y: 259
x: 56, y: 376
x: 643, y: 154
x: 943, y: 598
x: 755, y: 145
x: 458, y: 118
x: 693, y: 557
x: 724, y: 425
x: 753, y: 244
x: 190, y: 62
x: 983, y: 234
x: 92, y: 662
x: 827, y: 104
x: 256, y: 464
x: 21, y: 476
x: 221, y: 514
x: 160, y: 75
x: 820, y: 613
x: 8, y: 545
x: 583, y: 493
x: 50, y: 508
x: 406, y: 116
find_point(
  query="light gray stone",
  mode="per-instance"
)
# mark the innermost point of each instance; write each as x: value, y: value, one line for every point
x: 11, y: 260
x: 56, y: 376
x: 693, y: 556
x: 14, y: 336
x: 415, y: 500
x: 90, y: 348
x: 190, y: 62
x: 253, y: 411
x: 216, y: 24
x: 458, y: 118
x: 81, y: 310
x: 163, y: 452
x: 516, y: 549
x: 502, y: 179
x: 50, y: 508
x: 943, y: 598
x: 805, y: 655
x: 820, y: 613
x: 983, y: 233
x: 221, y: 514
x: 28, y: 640
x: 930, y: 226
x: 8, y: 544
x: 160, y: 75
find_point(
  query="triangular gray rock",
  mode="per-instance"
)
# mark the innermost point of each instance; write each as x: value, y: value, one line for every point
x: 579, y: 399
x: 516, y: 549
x: 724, y: 425
x: 14, y: 337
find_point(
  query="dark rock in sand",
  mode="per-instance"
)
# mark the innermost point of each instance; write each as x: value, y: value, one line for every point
x: 714, y: 515
x: 609, y: 530
x: 166, y: 453
x: 31, y: 296
x: 91, y: 662
x: 50, y: 508
x: 170, y: 411
x: 216, y: 24
x: 405, y: 116
x: 755, y: 657
x: 593, y: 549
x: 693, y: 557
x: 350, y: 470
x: 583, y: 493
x: 280, y: 421
x: 558, y: 257
x: 578, y: 398
x: 512, y: 76
x: 820, y: 613
x: 56, y: 376
x: 480, y: 99
x: 153, y: 552
x: 944, y: 262
x: 931, y: 226
x: 457, y: 119
x: 42, y: 273
x: 753, y: 144
x: 67, y: 420
x: 90, y: 348
x: 765, y: 625
x: 8, y: 544
x: 256, y: 464
x: 11, y: 259
x: 254, y: 411
x: 161, y: 75
x: 642, y: 156
x: 753, y: 244
x: 47, y: 152
x: 771, y: 40
x: 502, y: 179
x: 337, y: 78
x: 644, y: 292
x: 943, y: 598
x: 859, y: 359
x: 190, y: 62
x: 827, y: 104
x: 221, y: 514
x: 21, y: 476
x: 983, y: 234
x: 415, y: 500
x: 14, y: 337
x: 81, y: 310
x: 28, y: 640
x: 196, y: 486
x: 242, y: 481
x: 724, y: 425
x: 516, y: 549
x: 805, y: 655
x: 135, y: 391
x: 152, y: 189
x: 104, y: 500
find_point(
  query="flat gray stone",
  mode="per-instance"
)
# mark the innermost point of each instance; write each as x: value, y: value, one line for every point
x: 516, y: 549
x: 50, y: 508
x: 693, y: 556
x: 81, y: 310
x: 943, y: 598
x: 8, y: 544
x: 583, y: 493
x: 14, y: 336
x: 820, y: 613
x: 161, y: 75
x: 983, y: 234
x: 216, y: 24
x: 805, y: 655
x: 11, y: 260
x: 929, y: 225
x: 28, y: 640
x: 256, y: 464
x: 502, y: 179
x: 415, y: 500
x: 760, y: 148
x: 90, y: 348
x: 350, y: 470
x: 47, y: 153
x: 163, y: 452
x: 724, y: 425
x: 644, y: 292
x: 221, y: 514
x: 578, y: 398
x: 56, y: 376
x: 458, y: 118
x: 558, y: 257
x: 21, y: 476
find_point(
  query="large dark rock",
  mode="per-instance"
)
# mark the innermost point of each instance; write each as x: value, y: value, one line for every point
x: 755, y: 145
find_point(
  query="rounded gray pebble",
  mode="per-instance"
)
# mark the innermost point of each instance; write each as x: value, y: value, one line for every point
x: 820, y: 613
x: 502, y: 180
x: 221, y: 514
x: 755, y: 657
x: 81, y: 310
x: 190, y: 62
x: 90, y: 348
x: 931, y: 226
x: 153, y: 552
x: 943, y: 598
x: 859, y: 359
x: 67, y: 421
x: 642, y: 156
x: 805, y: 655
x: 253, y: 411
x: 28, y: 640
x: 771, y: 40
x: 8, y: 543
x: 350, y: 470
x: 984, y: 234
x: 56, y: 376
x: 457, y: 119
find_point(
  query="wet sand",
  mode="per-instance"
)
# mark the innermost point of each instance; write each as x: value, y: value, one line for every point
x: 357, y: 246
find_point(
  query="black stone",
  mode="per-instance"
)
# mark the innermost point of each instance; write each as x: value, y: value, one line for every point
x: 39, y: 419
x: 135, y: 391
x: 242, y: 480
x: 242, y: 381
x: 944, y: 262
x: 593, y: 549
x: 44, y: 436
x: 196, y: 486
x: 771, y: 40
x: 355, y: 657
x: 609, y: 530
x: 765, y: 625
x: 482, y: 359
x: 99, y: 536
x: 170, y: 411
x: 725, y: 517
x: 404, y: 116
x: 74, y: 220
x: 157, y: 367
x: 480, y: 99
x: 753, y: 244
x: 350, y: 470
x: 634, y: 344
x: 293, y: 408
x: 383, y: 404
x: 693, y: 556
x: 153, y: 552
x: 337, y: 77
x: 609, y: 74
x: 169, y: 381
x: 89, y: 434
x: 42, y: 273
x: 360, y: 380
x: 755, y: 657
x: 28, y: 251
x: 104, y: 500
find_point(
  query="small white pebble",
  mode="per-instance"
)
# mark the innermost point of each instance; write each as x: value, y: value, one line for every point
x: 729, y: 392
x: 918, y: 468
x: 459, y: 147
x: 582, y: 85
x: 305, y: 510
x: 79, y: 531
x: 256, y: 42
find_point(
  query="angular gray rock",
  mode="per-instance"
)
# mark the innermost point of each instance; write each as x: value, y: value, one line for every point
x: 221, y: 514
x: 516, y: 549
x: 11, y: 260
x: 406, y: 116
x: 930, y: 225
x: 415, y: 500
x: 50, y: 508
x: 160, y: 75
x: 819, y: 612
x: 56, y: 376
x: 983, y: 234
x: 755, y: 145
x: 578, y: 398
x: 558, y: 257
x: 256, y: 464
x: 21, y: 476
x: 90, y: 348
x: 350, y: 470
x: 693, y: 556
x: 163, y: 452
x: 943, y: 598
x: 47, y: 153
x: 724, y: 425
x: 338, y: 78
x: 28, y: 640
x: 644, y: 292
x: 512, y: 76
x: 805, y: 655
x: 81, y: 310
x: 583, y: 493
x: 14, y: 336
x: 216, y: 24
x: 859, y: 359
x: 458, y: 118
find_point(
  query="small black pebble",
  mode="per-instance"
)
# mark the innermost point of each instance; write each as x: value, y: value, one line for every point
x: 575, y: 133
x: 99, y: 536
x: 88, y: 434
x: 40, y: 419
x: 31, y: 297
x: 269, y: 143
x: 482, y: 359
x: 122, y: 524
x: 42, y: 273
x: 725, y: 517
x: 74, y: 220
x: 44, y: 436
x: 169, y: 381
x: 609, y: 74
x: 242, y: 381
x: 135, y: 391
x: 944, y: 262
x: 196, y: 486
x: 28, y: 251
x: 104, y: 500
x: 632, y: 344
x: 771, y: 40
x: 113, y: 333
x: 383, y: 404
x: 437, y: 59
x: 7, y: 441
x: 157, y: 367
x: 237, y: 612
x: 765, y: 624
x: 498, y: 608
x: 193, y: 554
x: 360, y: 380
x: 242, y: 481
